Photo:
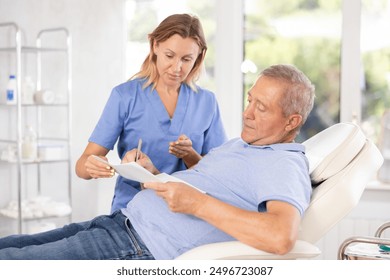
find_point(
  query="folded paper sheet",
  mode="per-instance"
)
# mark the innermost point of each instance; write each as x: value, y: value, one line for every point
x: 134, y: 171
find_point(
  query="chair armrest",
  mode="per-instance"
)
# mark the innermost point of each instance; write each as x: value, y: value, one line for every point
x: 381, y: 229
x: 235, y: 250
x: 343, y: 253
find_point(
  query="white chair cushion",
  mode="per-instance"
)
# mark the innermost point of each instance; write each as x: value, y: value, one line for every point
x: 333, y: 199
x: 235, y: 250
x: 330, y: 150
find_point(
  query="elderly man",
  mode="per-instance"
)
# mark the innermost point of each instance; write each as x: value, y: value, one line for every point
x: 255, y: 189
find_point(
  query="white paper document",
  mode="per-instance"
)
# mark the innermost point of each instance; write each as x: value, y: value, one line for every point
x: 134, y: 171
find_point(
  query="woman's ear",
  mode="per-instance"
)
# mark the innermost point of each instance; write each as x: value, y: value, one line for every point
x: 293, y: 122
x: 155, y: 48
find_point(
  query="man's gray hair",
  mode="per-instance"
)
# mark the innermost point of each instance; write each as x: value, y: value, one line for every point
x: 299, y: 91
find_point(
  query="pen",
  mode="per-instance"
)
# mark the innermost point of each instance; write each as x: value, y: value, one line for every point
x: 138, y: 151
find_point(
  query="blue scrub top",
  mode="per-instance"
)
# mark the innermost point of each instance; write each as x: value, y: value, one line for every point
x: 132, y: 112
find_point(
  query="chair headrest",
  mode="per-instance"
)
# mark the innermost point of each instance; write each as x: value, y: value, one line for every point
x: 330, y: 150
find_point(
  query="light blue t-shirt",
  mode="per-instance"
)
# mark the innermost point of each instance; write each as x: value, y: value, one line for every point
x: 242, y: 175
x: 132, y: 112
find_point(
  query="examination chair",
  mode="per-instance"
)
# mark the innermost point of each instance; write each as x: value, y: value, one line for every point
x: 341, y: 162
x: 366, y: 247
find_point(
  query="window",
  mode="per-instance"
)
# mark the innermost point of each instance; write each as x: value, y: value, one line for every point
x: 375, y: 83
x: 352, y: 80
x: 375, y: 57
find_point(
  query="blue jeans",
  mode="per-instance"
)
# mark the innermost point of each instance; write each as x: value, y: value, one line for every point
x: 105, y: 237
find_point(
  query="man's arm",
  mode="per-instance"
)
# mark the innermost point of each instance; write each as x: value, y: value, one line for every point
x: 274, y: 231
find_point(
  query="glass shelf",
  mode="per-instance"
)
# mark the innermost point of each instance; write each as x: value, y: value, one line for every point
x: 26, y: 49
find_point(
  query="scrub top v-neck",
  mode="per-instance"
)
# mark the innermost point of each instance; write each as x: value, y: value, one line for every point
x: 134, y: 112
x: 170, y: 125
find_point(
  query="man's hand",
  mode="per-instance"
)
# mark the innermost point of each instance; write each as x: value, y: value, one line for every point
x: 180, y: 197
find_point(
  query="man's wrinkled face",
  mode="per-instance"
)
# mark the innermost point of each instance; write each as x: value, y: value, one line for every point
x: 263, y: 120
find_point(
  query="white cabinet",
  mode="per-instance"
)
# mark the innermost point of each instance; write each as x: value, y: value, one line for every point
x: 35, y: 188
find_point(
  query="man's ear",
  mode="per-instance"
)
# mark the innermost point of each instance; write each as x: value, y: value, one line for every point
x: 293, y: 122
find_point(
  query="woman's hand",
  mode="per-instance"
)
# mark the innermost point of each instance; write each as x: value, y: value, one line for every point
x: 97, y: 169
x: 142, y: 160
x: 182, y: 148
x: 87, y: 167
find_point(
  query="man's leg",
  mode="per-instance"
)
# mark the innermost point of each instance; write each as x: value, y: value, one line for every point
x: 23, y: 240
x: 106, y: 237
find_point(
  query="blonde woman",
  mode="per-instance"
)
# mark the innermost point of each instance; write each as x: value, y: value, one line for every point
x: 177, y: 120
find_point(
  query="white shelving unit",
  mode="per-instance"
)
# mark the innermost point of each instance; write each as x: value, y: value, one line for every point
x: 51, y: 121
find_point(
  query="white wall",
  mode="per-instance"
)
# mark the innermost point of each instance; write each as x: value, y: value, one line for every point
x: 98, y: 35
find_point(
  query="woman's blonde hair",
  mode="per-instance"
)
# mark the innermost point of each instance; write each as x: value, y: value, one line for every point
x: 185, y: 25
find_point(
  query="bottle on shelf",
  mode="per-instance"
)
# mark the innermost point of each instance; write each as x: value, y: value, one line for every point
x: 11, y: 92
x: 28, y: 88
x: 45, y: 96
x: 29, y: 144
